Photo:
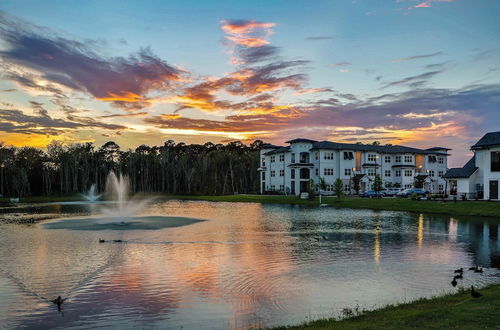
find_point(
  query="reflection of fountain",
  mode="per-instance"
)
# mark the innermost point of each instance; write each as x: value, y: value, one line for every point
x: 117, y: 189
x: 91, y: 195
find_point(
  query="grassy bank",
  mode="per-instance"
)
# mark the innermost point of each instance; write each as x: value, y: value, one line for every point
x: 458, y: 208
x: 458, y: 311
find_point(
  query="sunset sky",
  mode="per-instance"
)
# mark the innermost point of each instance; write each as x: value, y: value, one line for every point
x: 418, y: 73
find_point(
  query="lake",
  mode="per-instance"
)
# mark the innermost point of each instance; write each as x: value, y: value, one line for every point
x: 246, y: 265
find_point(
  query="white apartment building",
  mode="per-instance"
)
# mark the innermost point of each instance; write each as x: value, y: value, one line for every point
x: 289, y: 169
x: 480, y: 177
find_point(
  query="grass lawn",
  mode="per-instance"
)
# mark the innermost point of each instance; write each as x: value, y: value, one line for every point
x: 458, y: 311
x: 459, y: 208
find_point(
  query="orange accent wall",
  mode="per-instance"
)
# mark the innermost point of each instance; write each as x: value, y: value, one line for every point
x: 358, y: 161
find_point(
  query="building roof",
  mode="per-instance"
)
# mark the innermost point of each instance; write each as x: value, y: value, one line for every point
x: 387, y: 149
x: 269, y: 146
x: 298, y: 140
x: 437, y: 148
x: 462, y: 172
x: 489, y: 139
x: 279, y: 150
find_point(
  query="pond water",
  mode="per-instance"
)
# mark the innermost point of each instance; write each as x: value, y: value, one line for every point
x: 246, y: 265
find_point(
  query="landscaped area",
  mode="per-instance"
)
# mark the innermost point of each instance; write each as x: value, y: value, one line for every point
x: 459, y: 311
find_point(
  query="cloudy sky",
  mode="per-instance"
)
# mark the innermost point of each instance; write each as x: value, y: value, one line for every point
x: 414, y: 72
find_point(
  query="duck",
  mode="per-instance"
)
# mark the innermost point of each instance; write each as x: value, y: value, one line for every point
x: 101, y: 240
x: 478, y: 270
x: 473, y: 268
x: 473, y: 293
x: 58, y: 300
x: 460, y: 270
x: 117, y: 240
x: 458, y: 277
x: 454, y: 282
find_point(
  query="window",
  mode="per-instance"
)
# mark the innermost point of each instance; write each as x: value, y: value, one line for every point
x: 282, y: 172
x: 441, y: 160
x: 441, y: 188
x: 346, y: 188
x: 347, y: 172
x: 293, y: 158
x: 431, y: 174
x: 387, y: 173
x: 432, y: 159
x: 282, y: 158
x: 387, y: 159
x: 316, y: 155
x: 328, y: 155
x: 495, y: 161
x: 292, y: 173
x: 263, y: 162
x: 329, y: 187
x: 372, y: 158
x: 273, y: 159
x: 273, y: 173
x: 348, y: 155
x: 398, y: 159
x: 408, y: 172
x: 273, y: 187
x: 282, y: 187
x: 328, y: 171
x: 263, y: 176
x: 440, y: 174
x: 316, y: 171
x: 408, y: 185
x: 408, y: 159
x: 397, y: 173
x: 372, y: 171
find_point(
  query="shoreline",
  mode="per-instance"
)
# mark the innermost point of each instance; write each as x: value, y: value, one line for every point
x: 457, y: 311
x: 486, y: 209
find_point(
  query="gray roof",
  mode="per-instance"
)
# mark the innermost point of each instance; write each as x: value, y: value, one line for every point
x: 489, y: 139
x: 298, y: 140
x: 437, y: 148
x: 462, y: 172
x: 279, y: 150
x: 387, y: 149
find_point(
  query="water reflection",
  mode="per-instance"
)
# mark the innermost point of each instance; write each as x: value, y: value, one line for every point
x: 248, y: 265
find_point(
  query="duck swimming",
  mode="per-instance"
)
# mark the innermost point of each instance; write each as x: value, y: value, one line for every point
x: 460, y: 270
x: 101, y: 240
x: 454, y: 282
x: 58, y: 301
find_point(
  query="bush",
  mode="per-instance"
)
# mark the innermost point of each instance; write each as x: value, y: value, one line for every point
x: 414, y: 196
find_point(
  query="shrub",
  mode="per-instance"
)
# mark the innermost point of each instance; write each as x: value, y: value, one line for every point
x: 414, y: 196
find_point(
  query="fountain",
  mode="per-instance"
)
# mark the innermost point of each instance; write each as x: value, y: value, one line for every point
x: 91, y: 195
x: 120, y: 212
x: 117, y: 189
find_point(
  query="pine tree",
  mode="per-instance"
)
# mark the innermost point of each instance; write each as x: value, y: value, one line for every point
x: 338, y: 188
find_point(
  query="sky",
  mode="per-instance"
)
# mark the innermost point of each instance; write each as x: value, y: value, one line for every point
x: 421, y: 73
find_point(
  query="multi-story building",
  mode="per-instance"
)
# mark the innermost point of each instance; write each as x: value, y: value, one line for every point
x: 289, y: 169
x: 480, y: 176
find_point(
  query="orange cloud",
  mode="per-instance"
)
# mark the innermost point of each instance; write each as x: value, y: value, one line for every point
x: 246, y: 32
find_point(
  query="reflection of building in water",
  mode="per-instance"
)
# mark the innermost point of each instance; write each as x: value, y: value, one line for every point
x: 420, y: 231
x: 483, y: 242
x: 452, y: 230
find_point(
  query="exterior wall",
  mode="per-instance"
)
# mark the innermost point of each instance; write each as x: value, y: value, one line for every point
x: 483, y: 161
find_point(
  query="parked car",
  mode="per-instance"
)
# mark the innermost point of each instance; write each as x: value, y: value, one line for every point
x: 411, y: 191
x: 391, y: 191
x: 372, y: 193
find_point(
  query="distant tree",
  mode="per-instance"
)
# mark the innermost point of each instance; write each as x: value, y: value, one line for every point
x: 419, y: 181
x: 388, y: 185
x: 356, y: 184
x: 311, y: 188
x: 322, y: 183
x: 376, y: 143
x: 377, y: 183
x: 338, y: 188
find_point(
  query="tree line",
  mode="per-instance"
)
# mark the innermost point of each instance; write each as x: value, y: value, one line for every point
x: 173, y: 168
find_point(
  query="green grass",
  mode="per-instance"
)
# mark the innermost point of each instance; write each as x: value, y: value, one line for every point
x: 458, y: 208
x: 458, y: 311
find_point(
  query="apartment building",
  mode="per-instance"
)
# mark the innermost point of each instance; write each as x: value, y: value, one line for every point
x: 288, y: 169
